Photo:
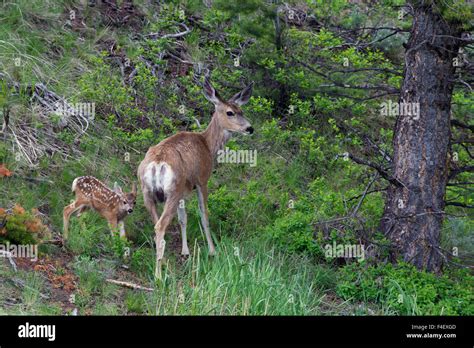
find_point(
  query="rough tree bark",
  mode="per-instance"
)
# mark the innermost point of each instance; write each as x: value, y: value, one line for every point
x: 414, y: 210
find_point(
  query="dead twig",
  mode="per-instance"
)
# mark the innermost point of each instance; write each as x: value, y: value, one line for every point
x: 364, y: 194
x: 128, y: 285
x: 173, y: 36
x: 8, y: 255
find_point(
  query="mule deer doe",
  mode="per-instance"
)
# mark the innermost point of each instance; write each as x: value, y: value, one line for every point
x: 114, y: 205
x: 176, y: 166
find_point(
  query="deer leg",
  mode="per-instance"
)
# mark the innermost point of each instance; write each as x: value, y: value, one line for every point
x: 150, y: 205
x: 67, y: 212
x: 80, y: 211
x: 183, y: 220
x: 202, y: 200
x: 113, y: 223
x: 160, y: 229
x: 121, y: 226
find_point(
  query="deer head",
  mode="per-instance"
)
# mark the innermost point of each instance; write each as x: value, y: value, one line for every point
x: 228, y: 113
x: 127, y: 200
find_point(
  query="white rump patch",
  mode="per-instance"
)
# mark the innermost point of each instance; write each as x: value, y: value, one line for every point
x: 74, y: 183
x: 159, y: 176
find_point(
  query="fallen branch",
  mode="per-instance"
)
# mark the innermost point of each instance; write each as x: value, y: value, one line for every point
x: 6, y: 119
x: 59, y: 242
x: 27, y: 141
x: 167, y: 36
x: 8, y: 255
x: 128, y: 285
x: 179, y: 59
x: 39, y: 180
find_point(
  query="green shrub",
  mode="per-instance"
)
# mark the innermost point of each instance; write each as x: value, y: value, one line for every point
x: 294, y: 232
x: 22, y: 227
x: 224, y: 208
x: 120, y: 246
x: 407, y: 291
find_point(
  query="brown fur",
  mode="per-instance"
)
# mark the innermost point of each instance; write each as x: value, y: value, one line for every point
x: 113, y: 205
x: 190, y: 157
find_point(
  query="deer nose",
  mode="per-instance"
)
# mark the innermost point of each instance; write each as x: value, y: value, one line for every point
x: 249, y: 130
x: 130, y: 211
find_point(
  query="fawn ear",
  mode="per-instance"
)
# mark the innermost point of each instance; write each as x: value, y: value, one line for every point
x: 117, y: 188
x: 134, y: 189
x: 210, y: 93
x: 243, y: 96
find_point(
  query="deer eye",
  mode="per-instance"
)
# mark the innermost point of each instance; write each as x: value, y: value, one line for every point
x: 230, y: 113
x: 124, y: 202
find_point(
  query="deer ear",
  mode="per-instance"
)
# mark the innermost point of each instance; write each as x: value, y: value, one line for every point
x: 243, y: 96
x: 134, y: 189
x: 117, y: 188
x: 210, y: 93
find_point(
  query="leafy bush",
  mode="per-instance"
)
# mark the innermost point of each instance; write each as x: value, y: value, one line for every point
x: 20, y: 226
x: 224, y: 207
x: 294, y: 232
x: 120, y: 246
x: 407, y: 291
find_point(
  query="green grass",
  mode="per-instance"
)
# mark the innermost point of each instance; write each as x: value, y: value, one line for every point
x: 24, y: 293
x: 244, y: 278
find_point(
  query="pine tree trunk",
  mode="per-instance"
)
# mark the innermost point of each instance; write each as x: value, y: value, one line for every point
x: 413, y: 213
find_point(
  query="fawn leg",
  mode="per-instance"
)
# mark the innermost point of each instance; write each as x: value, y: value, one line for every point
x: 113, y: 223
x: 121, y: 226
x: 67, y: 212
